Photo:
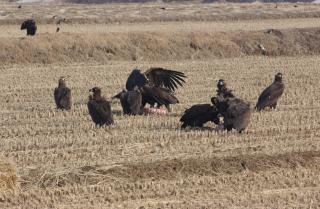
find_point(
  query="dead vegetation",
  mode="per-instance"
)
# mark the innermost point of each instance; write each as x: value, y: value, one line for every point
x: 8, y: 178
x: 138, y: 46
x: 64, y: 161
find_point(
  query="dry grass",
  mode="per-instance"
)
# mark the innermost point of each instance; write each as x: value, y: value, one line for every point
x: 64, y: 161
x: 153, y: 46
x: 8, y: 177
x: 123, y: 13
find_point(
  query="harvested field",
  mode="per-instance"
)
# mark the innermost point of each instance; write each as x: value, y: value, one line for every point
x: 64, y: 161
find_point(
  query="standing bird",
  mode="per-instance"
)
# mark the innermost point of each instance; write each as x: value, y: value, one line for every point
x: 236, y: 112
x: 62, y: 95
x: 131, y: 102
x: 99, y: 108
x: 156, y: 86
x: 199, y: 114
x: 269, y: 97
x: 31, y: 27
x: 223, y: 91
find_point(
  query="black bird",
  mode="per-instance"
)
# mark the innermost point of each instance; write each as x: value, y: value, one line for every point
x: 57, y: 30
x: 223, y: 91
x: 99, y: 108
x: 131, y: 102
x: 236, y: 112
x: 199, y: 114
x: 158, y: 77
x: 269, y: 97
x: 62, y: 95
x: 156, y: 86
x: 31, y: 27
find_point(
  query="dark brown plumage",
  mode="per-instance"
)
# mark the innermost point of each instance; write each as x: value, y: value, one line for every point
x: 159, y: 77
x: 99, y: 108
x: 159, y: 96
x: 31, y: 27
x: 236, y: 112
x: 156, y: 86
x: 199, y: 114
x: 62, y: 95
x: 223, y: 91
x: 269, y: 97
x: 131, y: 102
x: 57, y: 30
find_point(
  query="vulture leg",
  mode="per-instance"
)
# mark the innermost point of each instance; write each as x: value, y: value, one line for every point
x: 274, y: 105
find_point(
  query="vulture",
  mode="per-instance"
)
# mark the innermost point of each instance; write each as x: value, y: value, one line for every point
x: 31, y: 27
x: 156, y: 86
x: 199, y: 114
x: 269, y: 97
x: 62, y: 95
x: 99, y: 108
x: 236, y: 112
x: 131, y: 102
x: 223, y: 91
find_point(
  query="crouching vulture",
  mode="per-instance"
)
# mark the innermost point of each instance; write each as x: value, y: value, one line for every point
x: 31, y: 27
x: 62, y: 95
x: 99, y: 108
x: 156, y: 86
x: 199, y: 114
x: 269, y: 97
x: 236, y: 112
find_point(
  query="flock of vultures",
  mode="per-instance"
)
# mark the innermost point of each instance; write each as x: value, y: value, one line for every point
x: 156, y: 87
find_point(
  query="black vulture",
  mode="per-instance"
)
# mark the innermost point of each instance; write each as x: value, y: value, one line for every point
x: 159, y: 77
x: 199, y: 114
x: 223, y: 91
x: 236, y: 112
x: 156, y: 85
x: 269, y: 97
x: 99, y: 108
x: 31, y: 27
x: 131, y: 102
x: 62, y: 95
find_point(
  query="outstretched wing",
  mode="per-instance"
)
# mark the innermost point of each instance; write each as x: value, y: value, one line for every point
x: 170, y: 79
x: 136, y: 78
x: 159, y: 95
x: 270, y: 95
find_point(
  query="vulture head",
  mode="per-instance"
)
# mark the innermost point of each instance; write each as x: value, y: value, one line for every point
x: 278, y: 77
x: 221, y: 84
x: 96, y: 91
x: 62, y: 81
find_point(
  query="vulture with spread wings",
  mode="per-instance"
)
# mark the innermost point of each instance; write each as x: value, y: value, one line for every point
x: 156, y: 86
x: 99, y: 108
x: 62, y: 95
x: 269, y: 97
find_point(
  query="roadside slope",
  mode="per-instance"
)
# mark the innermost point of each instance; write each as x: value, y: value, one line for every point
x: 148, y: 46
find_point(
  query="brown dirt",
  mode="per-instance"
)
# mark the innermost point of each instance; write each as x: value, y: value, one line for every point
x: 68, y: 47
